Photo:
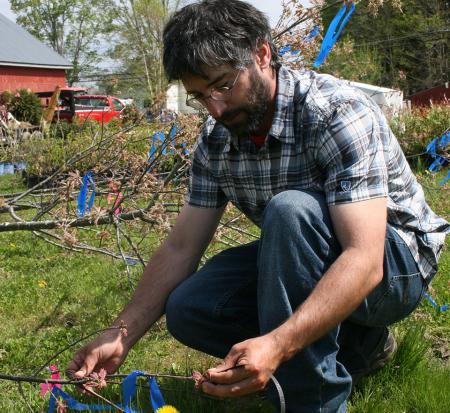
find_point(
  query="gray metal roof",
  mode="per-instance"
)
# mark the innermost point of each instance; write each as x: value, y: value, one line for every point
x: 20, y: 48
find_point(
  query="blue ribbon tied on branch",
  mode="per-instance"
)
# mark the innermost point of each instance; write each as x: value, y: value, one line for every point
x: 164, y: 142
x: 434, y: 304
x: 88, y: 181
x: 158, y: 136
x: 288, y: 48
x: 129, y: 388
x: 436, y: 149
x: 334, y: 31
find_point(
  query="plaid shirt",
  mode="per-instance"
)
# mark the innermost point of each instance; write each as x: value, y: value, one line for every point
x: 327, y: 137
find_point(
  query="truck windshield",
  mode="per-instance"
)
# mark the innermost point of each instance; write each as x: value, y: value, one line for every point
x: 91, y: 102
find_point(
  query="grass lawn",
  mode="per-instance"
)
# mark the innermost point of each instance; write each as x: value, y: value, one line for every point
x: 51, y: 297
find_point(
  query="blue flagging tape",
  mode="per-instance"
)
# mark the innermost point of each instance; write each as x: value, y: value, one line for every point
x: 128, y: 393
x: 156, y: 396
x: 88, y: 181
x: 442, y: 183
x: 431, y: 147
x: 151, y: 155
x: 173, y: 131
x: 314, y: 32
x: 186, y: 151
x: 333, y: 33
x: 434, y: 304
x: 288, y: 48
x: 438, y: 144
x: 131, y: 261
x: 159, y: 136
x: 284, y: 50
x: 437, y: 164
x: 71, y: 403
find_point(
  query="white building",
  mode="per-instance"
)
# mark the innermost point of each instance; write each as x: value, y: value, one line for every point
x: 176, y: 99
x: 389, y: 100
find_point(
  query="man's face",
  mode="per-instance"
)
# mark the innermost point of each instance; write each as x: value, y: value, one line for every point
x: 244, y: 110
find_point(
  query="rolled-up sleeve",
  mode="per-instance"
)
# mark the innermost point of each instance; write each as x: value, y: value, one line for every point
x: 350, y: 152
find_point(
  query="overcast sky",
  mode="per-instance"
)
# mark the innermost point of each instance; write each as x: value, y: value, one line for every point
x: 5, y: 10
x: 272, y: 8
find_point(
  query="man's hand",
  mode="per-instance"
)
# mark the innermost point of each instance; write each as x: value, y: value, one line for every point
x: 107, y: 351
x: 246, y: 369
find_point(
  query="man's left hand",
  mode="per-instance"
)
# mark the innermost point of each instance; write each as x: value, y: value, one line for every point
x: 246, y: 369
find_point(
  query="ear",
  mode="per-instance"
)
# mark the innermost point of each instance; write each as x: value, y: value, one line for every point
x: 263, y: 56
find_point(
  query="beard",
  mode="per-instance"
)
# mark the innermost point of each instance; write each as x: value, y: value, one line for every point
x: 258, y: 97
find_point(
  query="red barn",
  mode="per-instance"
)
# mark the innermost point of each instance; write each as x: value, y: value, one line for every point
x: 25, y: 62
x: 435, y: 95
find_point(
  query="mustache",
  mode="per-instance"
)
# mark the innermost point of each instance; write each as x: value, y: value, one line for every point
x: 230, y: 114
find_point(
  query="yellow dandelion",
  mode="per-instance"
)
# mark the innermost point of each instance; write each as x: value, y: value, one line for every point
x: 12, y: 245
x: 167, y: 409
x: 42, y: 283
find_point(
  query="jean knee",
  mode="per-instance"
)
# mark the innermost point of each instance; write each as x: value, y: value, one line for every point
x: 294, y: 206
x: 175, y: 313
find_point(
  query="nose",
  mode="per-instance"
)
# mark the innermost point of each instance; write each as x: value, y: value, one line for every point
x: 216, y: 108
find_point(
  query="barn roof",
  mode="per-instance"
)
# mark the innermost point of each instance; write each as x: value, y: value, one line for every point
x: 20, y: 48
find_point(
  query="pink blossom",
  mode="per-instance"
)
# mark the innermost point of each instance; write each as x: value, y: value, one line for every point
x: 98, y: 379
x: 123, y: 328
x: 117, y: 196
x: 198, y: 378
x: 46, y: 387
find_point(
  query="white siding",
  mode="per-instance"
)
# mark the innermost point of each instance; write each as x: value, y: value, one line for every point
x: 176, y: 99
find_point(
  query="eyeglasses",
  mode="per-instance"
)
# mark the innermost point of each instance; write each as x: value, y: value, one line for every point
x: 220, y: 93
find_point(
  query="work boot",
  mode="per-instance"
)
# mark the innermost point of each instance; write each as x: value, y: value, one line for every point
x: 382, y: 355
x: 364, y: 350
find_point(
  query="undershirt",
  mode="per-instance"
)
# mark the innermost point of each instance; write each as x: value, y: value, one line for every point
x: 258, y: 140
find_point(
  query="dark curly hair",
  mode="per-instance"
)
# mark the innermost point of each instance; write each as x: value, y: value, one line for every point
x: 213, y: 33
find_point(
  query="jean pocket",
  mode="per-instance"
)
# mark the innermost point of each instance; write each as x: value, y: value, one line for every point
x: 396, y: 300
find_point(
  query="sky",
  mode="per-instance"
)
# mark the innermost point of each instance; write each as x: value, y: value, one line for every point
x: 272, y: 8
x: 5, y: 10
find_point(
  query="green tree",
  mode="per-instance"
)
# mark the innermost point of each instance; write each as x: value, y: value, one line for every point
x: 138, y: 48
x: 360, y: 64
x: 73, y: 28
x: 409, y: 40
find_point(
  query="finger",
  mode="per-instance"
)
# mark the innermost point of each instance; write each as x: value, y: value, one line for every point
x: 87, y: 366
x: 110, y: 366
x: 76, y: 363
x: 226, y: 365
x: 247, y: 386
x: 232, y: 358
x: 233, y: 375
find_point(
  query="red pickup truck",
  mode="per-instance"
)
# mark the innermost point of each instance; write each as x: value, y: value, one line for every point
x: 98, y: 107
x: 74, y: 103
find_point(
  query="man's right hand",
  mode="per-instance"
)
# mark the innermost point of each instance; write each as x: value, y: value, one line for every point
x: 107, y: 351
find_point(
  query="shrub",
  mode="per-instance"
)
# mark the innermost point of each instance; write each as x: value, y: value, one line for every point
x: 114, y: 151
x: 131, y: 114
x: 415, y: 129
x: 24, y: 105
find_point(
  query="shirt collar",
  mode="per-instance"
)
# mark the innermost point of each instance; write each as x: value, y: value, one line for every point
x: 284, y: 107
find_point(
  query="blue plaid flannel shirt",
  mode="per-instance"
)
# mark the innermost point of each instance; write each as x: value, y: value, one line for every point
x: 328, y: 137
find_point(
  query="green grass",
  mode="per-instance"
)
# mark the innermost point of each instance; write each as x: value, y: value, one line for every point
x: 51, y: 297
x: 414, y: 382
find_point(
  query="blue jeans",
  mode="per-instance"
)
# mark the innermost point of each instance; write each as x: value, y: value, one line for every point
x: 249, y: 290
